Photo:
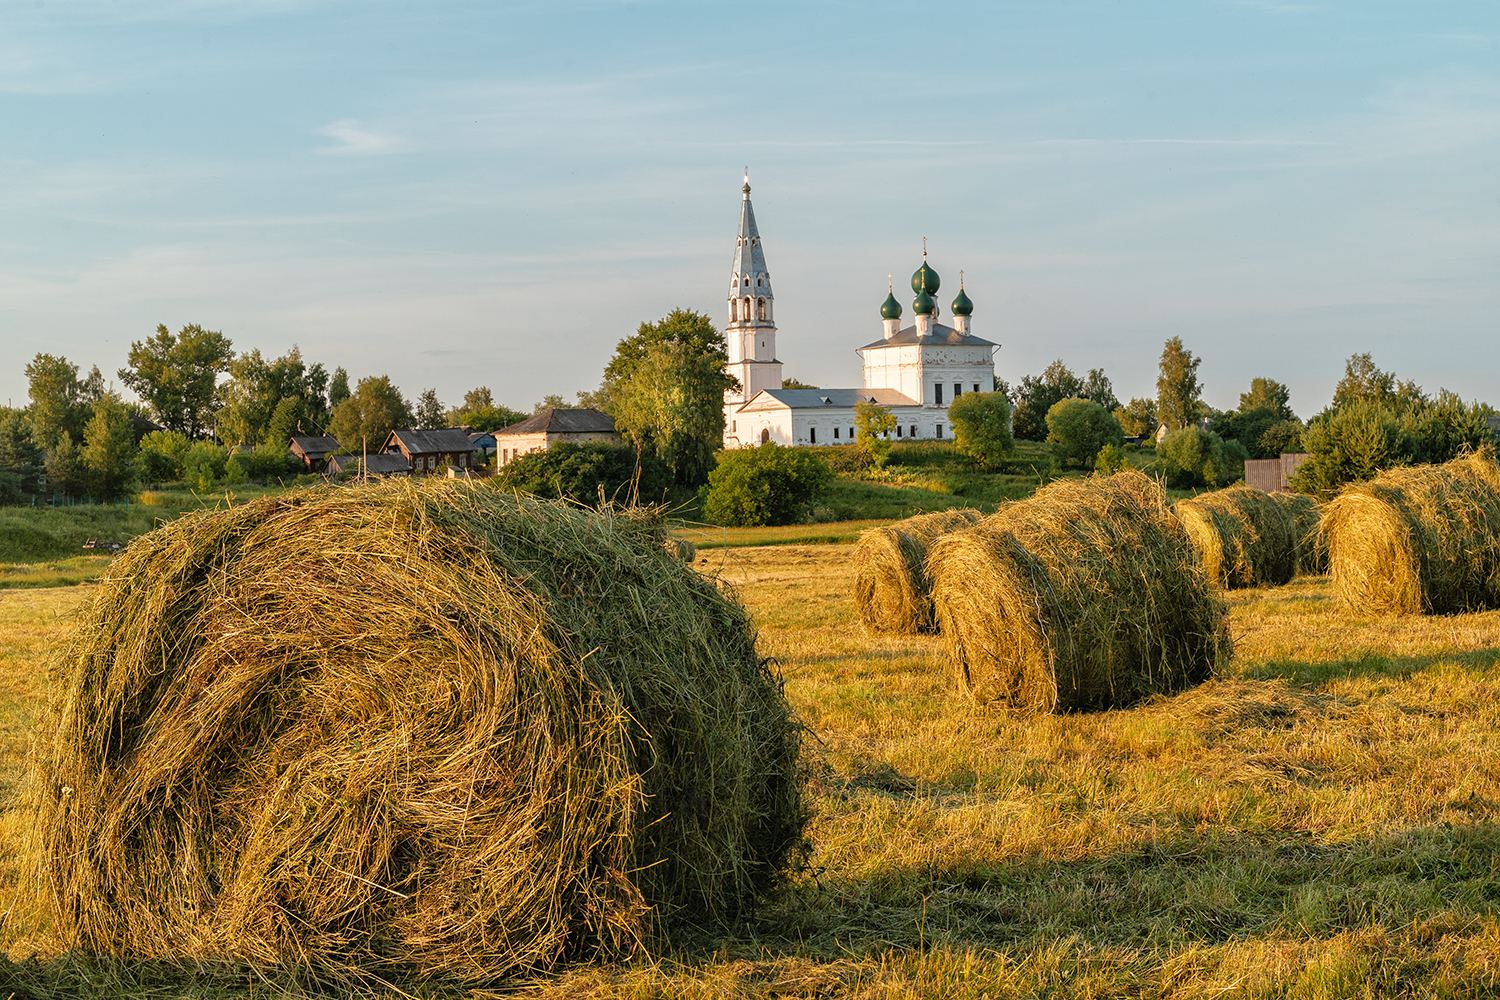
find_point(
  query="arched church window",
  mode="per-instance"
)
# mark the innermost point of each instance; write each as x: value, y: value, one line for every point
x: 734, y: 310
x: 765, y: 435
x: 757, y: 282
x: 762, y: 308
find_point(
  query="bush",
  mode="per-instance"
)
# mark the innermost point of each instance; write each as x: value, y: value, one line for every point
x: 764, y: 485
x: 981, y: 424
x: 1078, y: 428
x: 161, y: 457
x: 1193, y: 457
x: 579, y: 471
x: 10, y: 489
x: 1111, y: 459
x: 873, y: 425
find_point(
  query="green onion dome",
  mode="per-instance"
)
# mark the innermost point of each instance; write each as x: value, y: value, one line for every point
x: 962, y: 306
x: 890, y: 308
x: 925, y: 279
x: 923, y: 306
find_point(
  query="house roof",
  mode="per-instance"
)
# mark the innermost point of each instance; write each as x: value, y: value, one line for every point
x: 378, y: 465
x: 314, y: 445
x: 427, y: 442
x: 940, y: 336
x: 809, y: 399
x: 560, y: 421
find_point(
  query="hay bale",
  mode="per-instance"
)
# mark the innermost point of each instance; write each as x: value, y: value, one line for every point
x: 398, y: 731
x: 1242, y: 537
x: 1419, y: 540
x: 891, y: 589
x: 1306, y: 517
x: 1085, y: 596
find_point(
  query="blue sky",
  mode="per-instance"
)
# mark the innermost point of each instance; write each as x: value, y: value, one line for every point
x: 458, y: 194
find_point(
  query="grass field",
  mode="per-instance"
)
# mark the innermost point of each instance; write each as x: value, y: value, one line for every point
x: 1318, y: 823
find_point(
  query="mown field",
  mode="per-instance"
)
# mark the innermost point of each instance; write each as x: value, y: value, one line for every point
x: 1320, y: 822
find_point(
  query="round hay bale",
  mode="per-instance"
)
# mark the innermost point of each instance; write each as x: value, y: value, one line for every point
x: 1242, y: 537
x: 1085, y: 596
x: 891, y: 589
x: 1419, y: 540
x: 1306, y: 517
x: 400, y: 732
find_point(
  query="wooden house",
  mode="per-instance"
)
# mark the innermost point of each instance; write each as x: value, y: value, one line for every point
x: 431, y: 450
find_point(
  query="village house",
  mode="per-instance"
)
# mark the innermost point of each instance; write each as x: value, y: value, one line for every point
x: 378, y: 465
x: 557, y: 426
x: 313, y: 451
x: 432, y: 450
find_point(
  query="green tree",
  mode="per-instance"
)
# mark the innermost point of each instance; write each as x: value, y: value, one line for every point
x: 551, y: 401
x: 19, y: 454
x: 60, y: 403
x: 429, y: 413
x: 1250, y: 428
x: 581, y: 472
x: 981, y: 427
x: 1350, y: 444
x: 109, y: 450
x: 480, y: 412
x: 1439, y: 430
x: 1097, y: 389
x: 1138, y: 418
x: 362, y: 422
x: 665, y: 388
x: 257, y: 388
x: 1191, y: 456
x: 177, y: 375
x: 1037, y: 393
x: 1177, y: 388
x: 1364, y: 381
x: 162, y: 455
x: 338, y: 388
x: 1111, y: 459
x: 873, y: 424
x: 791, y: 383
x: 204, y: 463
x: 1078, y: 428
x: 764, y: 485
x: 67, y: 472
x: 1268, y: 394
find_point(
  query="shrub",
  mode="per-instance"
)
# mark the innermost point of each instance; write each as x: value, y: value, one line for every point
x: 581, y: 471
x: 10, y: 489
x: 873, y: 425
x: 162, y: 454
x: 1193, y: 457
x: 1078, y: 428
x: 764, y: 485
x: 1111, y: 459
x: 981, y: 424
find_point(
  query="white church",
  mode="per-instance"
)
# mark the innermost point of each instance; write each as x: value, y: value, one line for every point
x: 915, y: 373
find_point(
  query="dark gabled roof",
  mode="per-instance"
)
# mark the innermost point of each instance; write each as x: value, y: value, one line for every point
x: 378, y: 465
x: 940, y: 335
x: 560, y: 421
x: 799, y: 399
x: 427, y: 442
x: 316, y: 445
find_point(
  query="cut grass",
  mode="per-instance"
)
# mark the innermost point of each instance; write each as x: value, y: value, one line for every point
x: 1320, y: 822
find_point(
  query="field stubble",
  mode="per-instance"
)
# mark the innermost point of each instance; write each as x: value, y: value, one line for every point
x: 1319, y: 822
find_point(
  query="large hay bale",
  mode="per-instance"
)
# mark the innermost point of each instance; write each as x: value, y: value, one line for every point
x: 1306, y: 517
x: 891, y: 588
x: 1424, y: 539
x: 1242, y: 537
x: 401, y: 731
x: 1085, y: 596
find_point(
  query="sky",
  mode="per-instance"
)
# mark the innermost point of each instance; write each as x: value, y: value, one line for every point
x: 461, y: 194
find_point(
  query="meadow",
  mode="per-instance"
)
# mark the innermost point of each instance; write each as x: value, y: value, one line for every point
x: 1318, y: 822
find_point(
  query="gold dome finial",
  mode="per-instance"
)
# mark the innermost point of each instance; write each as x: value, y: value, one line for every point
x: 924, y: 249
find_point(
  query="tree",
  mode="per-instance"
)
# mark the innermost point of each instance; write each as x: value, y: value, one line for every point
x: 162, y: 456
x: 256, y: 391
x: 109, y: 450
x: 177, y: 376
x: 1268, y: 394
x: 67, y: 472
x: 1078, y: 428
x: 362, y: 422
x: 1111, y: 459
x: 19, y: 454
x: 480, y: 412
x: 1036, y: 395
x: 551, y: 401
x: 59, y: 403
x: 665, y: 388
x: 981, y: 427
x: 1350, y: 444
x: 873, y: 424
x: 1191, y: 457
x: 1138, y: 418
x: 768, y: 484
x: 1097, y: 389
x: 580, y: 472
x: 429, y: 414
x: 791, y: 383
x: 1177, y: 388
x: 338, y: 388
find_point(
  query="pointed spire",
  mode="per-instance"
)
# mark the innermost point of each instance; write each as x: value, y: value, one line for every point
x: 750, y: 276
x: 746, y: 188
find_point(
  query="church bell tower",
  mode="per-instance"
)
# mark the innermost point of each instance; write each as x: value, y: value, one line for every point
x: 751, y: 333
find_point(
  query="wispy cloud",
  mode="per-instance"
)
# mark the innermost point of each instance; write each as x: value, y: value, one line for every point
x: 355, y: 140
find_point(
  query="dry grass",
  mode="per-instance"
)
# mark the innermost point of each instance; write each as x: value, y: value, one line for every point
x: 1306, y: 515
x: 1243, y: 537
x: 1419, y: 540
x: 892, y: 590
x: 1323, y: 822
x: 1085, y: 596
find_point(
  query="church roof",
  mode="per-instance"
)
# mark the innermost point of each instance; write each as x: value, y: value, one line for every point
x: 939, y: 335
x: 749, y: 256
x: 809, y: 399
